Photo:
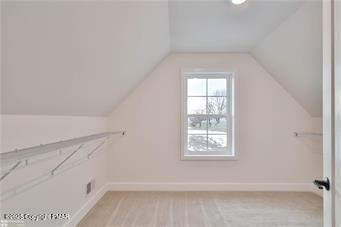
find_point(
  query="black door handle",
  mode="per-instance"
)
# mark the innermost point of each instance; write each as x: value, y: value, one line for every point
x: 322, y: 183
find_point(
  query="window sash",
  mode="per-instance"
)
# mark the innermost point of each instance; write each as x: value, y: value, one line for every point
x: 229, y: 115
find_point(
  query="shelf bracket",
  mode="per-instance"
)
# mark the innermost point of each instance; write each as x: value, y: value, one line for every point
x: 68, y: 157
x: 10, y: 170
x: 97, y: 147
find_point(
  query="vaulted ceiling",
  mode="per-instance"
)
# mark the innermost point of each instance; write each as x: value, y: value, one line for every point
x: 296, y: 62
x: 219, y: 26
x: 78, y: 58
x: 83, y: 58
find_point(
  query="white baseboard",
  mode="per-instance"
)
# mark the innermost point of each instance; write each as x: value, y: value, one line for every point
x: 151, y: 186
x: 77, y: 217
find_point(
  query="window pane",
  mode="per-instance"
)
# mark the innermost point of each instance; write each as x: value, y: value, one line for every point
x: 217, y: 142
x: 196, y: 105
x: 197, y: 125
x: 216, y: 87
x: 196, y: 87
x: 217, y: 125
x: 216, y: 105
x: 197, y: 143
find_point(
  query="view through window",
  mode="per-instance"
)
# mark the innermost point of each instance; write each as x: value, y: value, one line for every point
x: 208, y: 114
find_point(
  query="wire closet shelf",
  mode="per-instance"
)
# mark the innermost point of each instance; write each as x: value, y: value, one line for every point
x: 22, y: 158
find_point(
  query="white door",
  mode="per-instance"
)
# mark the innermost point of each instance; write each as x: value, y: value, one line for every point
x: 332, y: 111
x: 337, y: 75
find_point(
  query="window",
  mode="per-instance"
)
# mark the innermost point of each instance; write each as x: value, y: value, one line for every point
x: 207, y: 115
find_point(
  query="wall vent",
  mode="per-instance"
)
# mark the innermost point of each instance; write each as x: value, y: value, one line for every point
x: 90, y: 187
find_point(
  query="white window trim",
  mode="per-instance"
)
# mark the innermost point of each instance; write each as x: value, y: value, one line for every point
x: 184, y: 73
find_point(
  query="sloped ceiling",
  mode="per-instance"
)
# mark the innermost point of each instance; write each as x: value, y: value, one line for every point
x: 292, y: 53
x: 78, y: 58
x: 83, y: 58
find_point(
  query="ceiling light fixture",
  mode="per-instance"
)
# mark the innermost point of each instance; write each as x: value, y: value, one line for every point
x: 238, y: 2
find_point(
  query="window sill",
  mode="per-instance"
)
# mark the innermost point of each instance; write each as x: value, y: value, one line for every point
x: 209, y: 158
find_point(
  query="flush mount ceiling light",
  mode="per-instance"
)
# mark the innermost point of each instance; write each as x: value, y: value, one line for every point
x: 238, y: 2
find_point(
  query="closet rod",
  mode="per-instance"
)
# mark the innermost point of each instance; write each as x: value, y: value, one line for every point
x: 297, y: 134
x: 26, y: 153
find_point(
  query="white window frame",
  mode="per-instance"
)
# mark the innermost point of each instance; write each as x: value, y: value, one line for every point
x: 205, y: 73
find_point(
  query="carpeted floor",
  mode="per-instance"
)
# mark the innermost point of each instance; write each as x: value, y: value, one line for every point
x: 211, y: 209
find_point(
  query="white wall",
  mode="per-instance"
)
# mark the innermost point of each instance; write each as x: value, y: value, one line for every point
x: 64, y: 193
x: 267, y: 116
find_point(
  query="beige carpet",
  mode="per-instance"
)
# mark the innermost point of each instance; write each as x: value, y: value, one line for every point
x: 211, y: 209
